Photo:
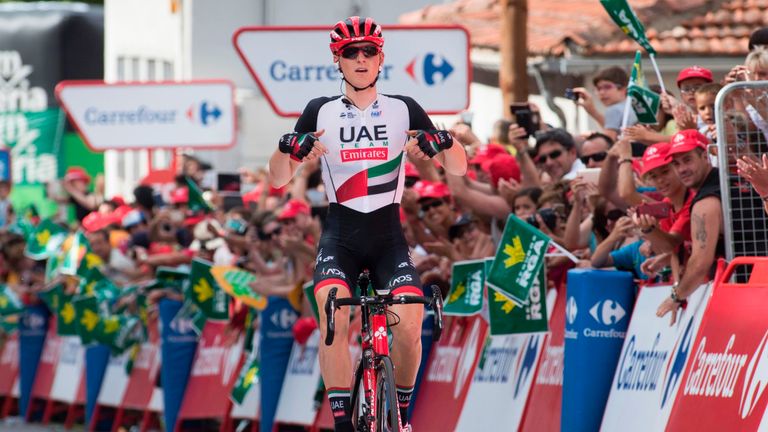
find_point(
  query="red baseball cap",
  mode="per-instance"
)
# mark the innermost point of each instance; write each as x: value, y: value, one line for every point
x: 428, y: 189
x: 293, y: 208
x: 95, y: 221
x: 411, y: 171
x: 655, y: 156
x: 180, y: 195
x: 487, y: 152
x: 687, y: 140
x: 694, y: 72
x: 503, y: 167
x: 76, y: 173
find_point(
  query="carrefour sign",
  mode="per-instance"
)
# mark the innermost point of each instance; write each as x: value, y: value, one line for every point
x: 291, y: 65
x: 198, y: 114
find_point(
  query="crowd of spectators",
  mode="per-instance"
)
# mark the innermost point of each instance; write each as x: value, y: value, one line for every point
x: 642, y: 198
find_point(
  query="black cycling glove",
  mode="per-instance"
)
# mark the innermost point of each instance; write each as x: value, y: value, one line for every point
x: 297, y: 145
x: 432, y: 142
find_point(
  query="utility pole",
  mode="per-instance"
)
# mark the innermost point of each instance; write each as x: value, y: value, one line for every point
x: 513, y: 71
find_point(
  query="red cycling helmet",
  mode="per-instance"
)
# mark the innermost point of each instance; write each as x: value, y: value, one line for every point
x: 354, y: 29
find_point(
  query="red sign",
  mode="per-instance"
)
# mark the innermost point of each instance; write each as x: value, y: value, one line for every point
x: 9, y: 364
x: 447, y: 377
x: 214, y: 372
x: 146, y: 366
x: 545, y: 399
x: 352, y: 155
x: 724, y: 384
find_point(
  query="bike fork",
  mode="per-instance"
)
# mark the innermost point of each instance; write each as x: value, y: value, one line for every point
x: 375, y: 343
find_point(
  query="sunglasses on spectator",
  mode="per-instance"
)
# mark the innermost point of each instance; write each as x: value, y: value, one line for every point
x: 430, y: 205
x: 553, y: 155
x: 597, y: 157
x: 369, y: 51
x: 268, y: 235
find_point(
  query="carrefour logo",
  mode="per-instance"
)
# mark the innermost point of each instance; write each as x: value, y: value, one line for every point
x: 571, y: 310
x: 430, y: 69
x: 526, y: 362
x: 676, y: 364
x: 205, y: 113
x: 607, y: 312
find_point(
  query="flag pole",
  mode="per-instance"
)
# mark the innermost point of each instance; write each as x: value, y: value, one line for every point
x: 658, y: 73
x: 627, y: 107
x: 563, y: 252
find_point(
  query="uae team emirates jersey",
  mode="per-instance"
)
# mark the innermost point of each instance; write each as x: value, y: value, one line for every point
x: 364, y: 167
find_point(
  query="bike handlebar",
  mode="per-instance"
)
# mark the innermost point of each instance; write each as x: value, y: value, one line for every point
x: 332, y: 304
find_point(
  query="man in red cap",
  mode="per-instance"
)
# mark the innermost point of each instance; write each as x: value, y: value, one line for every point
x: 76, y: 182
x: 689, y: 158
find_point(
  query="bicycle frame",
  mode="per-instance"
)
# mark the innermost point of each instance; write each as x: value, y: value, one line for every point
x: 375, y: 341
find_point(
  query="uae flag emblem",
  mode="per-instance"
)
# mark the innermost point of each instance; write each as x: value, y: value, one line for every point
x: 375, y: 180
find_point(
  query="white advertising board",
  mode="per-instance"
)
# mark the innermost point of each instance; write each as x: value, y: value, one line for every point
x: 115, y: 381
x: 652, y: 362
x: 127, y: 116
x: 297, y: 403
x: 69, y: 370
x: 291, y: 65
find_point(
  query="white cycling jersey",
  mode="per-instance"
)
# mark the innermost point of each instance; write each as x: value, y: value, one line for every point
x: 364, y: 167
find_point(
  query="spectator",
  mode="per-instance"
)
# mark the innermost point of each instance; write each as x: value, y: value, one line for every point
x: 688, y: 81
x: 525, y: 202
x: 76, y: 182
x: 594, y: 150
x: 556, y: 155
x: 661, y: 132
x: 758, y: 38
x: 705, y: 107
x: 115, y: 266
x: 611, y: 85
x: 692, y: 166
x: 630, y: 257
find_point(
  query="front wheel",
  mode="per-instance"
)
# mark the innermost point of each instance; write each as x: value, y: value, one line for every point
x: 387, y: 414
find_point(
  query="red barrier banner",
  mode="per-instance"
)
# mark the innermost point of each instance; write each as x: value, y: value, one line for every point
x: 46, y: 368
x: 723, y: 387
x: 448, y: 375
x: 146, y: 367
x: 214, y: 371
x: 9, y: 364
x: 543, y: 411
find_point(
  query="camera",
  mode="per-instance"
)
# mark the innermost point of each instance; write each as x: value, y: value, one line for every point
x: 547, y: 215
x: 570, y: 94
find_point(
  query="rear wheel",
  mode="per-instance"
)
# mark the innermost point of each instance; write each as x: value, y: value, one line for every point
x: 387, y: 414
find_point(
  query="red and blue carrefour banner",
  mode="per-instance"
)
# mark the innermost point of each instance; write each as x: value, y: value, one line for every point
x: 652, y: 362
x: 723, y: 387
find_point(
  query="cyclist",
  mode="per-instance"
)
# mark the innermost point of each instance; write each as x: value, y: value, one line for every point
x: 361, y: 137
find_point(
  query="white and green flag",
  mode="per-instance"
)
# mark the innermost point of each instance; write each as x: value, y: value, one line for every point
x: 466, y: 295
x: 623, y: 15
x: 645, y: 102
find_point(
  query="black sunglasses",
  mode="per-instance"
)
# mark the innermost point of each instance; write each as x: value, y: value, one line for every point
x: 430, y: 205
x: 268, y: 235
x: 368, y: 51
x: 553, y: 155
x: 597, y: 157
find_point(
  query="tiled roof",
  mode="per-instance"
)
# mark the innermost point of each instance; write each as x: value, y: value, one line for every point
x: 675, y: 27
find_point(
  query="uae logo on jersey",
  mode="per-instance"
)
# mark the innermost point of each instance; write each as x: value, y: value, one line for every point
x: 375, y: 180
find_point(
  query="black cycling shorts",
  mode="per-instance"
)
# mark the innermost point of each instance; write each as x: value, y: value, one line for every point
x: 353, y: 241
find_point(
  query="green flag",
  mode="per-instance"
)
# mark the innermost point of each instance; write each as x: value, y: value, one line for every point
x: 196, y: 200
x: 623, y: 15
x: 466, y: 294
x: 121, y: 332
x: 235, y: 282
x: 10, y: 303
x: 204, y: 292
x: 74, y: 250
x: 45, y: 240
x: 61, y: 304
x: 518, y: 259
x: 249, y: 375
x: 508, y: 318
x: 9, y: 324
x: 645, y: 102
x: 88, y: 321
